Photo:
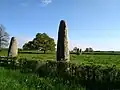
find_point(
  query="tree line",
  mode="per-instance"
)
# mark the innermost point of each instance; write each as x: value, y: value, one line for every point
x: 41, y: 42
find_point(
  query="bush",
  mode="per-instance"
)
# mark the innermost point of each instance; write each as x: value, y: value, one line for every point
x: 92, y: 76
x: 78, y: 52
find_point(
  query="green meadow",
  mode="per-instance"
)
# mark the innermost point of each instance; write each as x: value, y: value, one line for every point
x: 15, y: 80
x: 78, y: 59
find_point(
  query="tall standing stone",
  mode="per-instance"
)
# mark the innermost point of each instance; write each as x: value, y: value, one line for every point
x: 62, y: 43
x: 13, y: 50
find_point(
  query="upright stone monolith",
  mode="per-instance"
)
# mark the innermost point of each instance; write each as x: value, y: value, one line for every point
x: 13, y: 50
x: 62, y: 43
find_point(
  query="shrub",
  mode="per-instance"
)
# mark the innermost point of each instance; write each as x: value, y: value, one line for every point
x: 78, y: 52
x: 92, y: 76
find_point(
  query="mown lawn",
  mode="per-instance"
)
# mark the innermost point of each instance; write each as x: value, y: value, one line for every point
x: 14, y: 80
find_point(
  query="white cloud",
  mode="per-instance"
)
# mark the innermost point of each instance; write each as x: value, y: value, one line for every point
x: 45, y: 2
x: 26, y: 3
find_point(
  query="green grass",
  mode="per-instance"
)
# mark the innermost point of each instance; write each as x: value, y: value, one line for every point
x: 97, y: 59
x: 14, y: 80
x: 3, y: 53
x: 87, y: 59
x: 38, y: 56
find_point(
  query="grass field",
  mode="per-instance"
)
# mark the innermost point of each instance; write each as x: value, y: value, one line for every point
x: 14, y: 80
x: 78, y: 59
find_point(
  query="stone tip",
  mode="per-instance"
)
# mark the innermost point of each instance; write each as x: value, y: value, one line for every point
x: 62, y: 21
x: 13, y: 39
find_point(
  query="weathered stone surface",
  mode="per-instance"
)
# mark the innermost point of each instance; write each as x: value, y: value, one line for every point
x: 13, y: 50
x: 62, y: 43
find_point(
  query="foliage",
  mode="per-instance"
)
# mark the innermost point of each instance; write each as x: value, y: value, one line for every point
x: 75, y: 49
x: 100, y: 58
x: 78, y: 52
x: 4, y: 37
x: 89, y: 49
x: 20, y: 81
x: 94, y: 77
x: 41, y: 42
x: 28, y: 46
x: 82, y: 69
x: 96, y: 72
x: 89, y: 75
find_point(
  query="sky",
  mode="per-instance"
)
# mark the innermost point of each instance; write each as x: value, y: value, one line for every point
x: 91, y: 23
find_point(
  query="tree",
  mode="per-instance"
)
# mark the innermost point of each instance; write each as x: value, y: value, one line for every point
x: 75, y: 49
x: 29, y: 46
x: 78, y: 52
x: 89, y: 49
x: 4, y: 37
x: 41, y: 42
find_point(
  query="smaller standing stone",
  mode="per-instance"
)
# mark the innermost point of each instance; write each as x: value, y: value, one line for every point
x: 13, y: 50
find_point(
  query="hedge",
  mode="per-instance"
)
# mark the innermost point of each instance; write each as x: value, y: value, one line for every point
x: 94, y: 77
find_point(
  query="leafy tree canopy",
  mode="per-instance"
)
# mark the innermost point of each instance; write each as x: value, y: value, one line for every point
x: 75, y: 49
x: 89, y: 49
x: 41, y: 42
x: 4, y: 37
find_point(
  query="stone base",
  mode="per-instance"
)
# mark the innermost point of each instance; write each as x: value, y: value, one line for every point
x: 62, y: 66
